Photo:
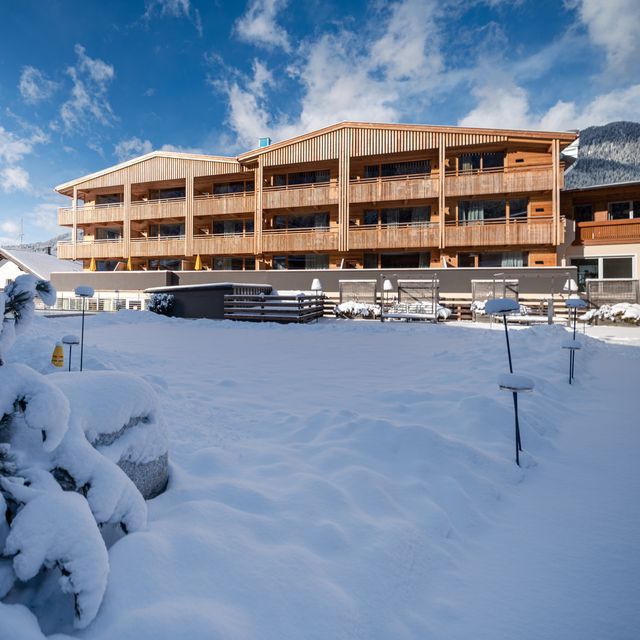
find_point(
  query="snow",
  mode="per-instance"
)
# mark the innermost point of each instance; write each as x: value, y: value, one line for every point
x: 356, y: 480
x: 39, y: 263
x: 84, y: 291
x: 515, y: 382
x: 501, y: 306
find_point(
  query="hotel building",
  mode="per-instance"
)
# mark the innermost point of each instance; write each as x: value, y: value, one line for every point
x: 352, y: 195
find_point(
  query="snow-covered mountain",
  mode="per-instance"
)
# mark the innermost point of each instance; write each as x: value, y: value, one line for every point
x: 45, y: 246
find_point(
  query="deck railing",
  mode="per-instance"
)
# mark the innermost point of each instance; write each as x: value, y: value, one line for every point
x: 501, y: 232
x: 608, y: 232
x: 223, y: 244
x: 310, y: 239
x: 499, y: 180
x: 412, y: 187
x: 300, y: 195
x: 390, y: 236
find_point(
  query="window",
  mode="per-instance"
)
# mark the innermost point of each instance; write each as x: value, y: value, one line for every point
x: 165, y: 194
x: 518, y: 208
x: 310, y: 221
x: 301, y: 177
x: 371, y: 216
x: 109, y: 198
x: 493, y: 160
x: 605, y: 268
x: 228, y: 227
x: 583, y: 213
x: 617, y: 267
x: 469, y: 162
x: 408, y: 215
x: 478, y: 210
x: 411, y: 168
x: 108, y: 233
x: 405, y: 260
x: 279, y: 262
x: 166, y: 230
x: 503, y: 259
x: 228, y: 187
x: 624, y: 210
x: 316, y: 261
x: 106, y: 265
x: 228, y: 264
x: 166, y: 264
x: 479, y: 161
x: 370, y: 261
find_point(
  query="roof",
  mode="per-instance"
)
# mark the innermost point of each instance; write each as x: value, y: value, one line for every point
x: 607, y: 155
x: 147, y: 156
x: 40, y: 264
x: 567, y: 136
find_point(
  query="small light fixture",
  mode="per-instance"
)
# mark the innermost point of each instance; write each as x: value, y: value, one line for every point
x: 316, y: 286
x: 83, y: 291
x: 70, y: 340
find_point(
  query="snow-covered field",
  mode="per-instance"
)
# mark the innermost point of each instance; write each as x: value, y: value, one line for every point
x: 356, y: 480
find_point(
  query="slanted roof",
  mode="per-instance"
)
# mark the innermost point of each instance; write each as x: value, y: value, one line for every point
x: 456, y: 135
x: 39, y: 264
x: 607, y: 155
x: 156, y: 165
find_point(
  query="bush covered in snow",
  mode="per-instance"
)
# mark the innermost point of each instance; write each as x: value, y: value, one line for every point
x: 161, y: 303
x: 356, y: 310
x: 622, y: 312
x: 56, y: 489
x: 477, y: 308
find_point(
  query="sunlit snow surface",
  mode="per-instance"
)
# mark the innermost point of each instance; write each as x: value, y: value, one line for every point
x: 352, y: 479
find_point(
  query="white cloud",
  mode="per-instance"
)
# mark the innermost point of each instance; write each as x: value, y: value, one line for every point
x: 14, y: 179
x: 507, y: 105
x: 613, y: 25
x: 14, y: 147
x: 44, y: 216
x: 34, y: 86
x: 174, y: 9
x: 258, y: 25
x: 10, y: 227
x: 88, y: 100
x: 386, y: 71
x: 131, y: 147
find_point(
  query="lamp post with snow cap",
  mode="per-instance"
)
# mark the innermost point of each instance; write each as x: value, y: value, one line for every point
x: 573, y: 345
x: 510, y: 382
x: 70, y: 340
x: 83, y: 292
x: 316, y: 287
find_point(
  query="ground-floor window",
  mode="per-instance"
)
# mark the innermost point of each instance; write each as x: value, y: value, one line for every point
x: 228, y: 264
x: 405, y: 260
x: 503, y: 259
x: 166, y: 264
x: 616, y: 267
x: 302, y: 261
x: 106, y: 265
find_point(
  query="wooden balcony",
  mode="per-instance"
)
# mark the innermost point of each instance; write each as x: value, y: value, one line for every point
x: 156, y: 247
x: 221, y: 244
x: 608, y: 232
x: 92, y: 214
x: 158, y: 209
x: 393, y: 189
x: 501, y: 233
x: 401, y: 236
x: 304, y: 195
x: 498, y: 181
x: 220, y: 204
x: 305, y: 240
x: 91, y: 249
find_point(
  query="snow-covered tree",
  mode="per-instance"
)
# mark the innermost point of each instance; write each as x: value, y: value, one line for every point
x: 56, y: 490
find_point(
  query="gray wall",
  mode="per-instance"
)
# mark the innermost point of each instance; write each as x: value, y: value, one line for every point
x: 533, y: 280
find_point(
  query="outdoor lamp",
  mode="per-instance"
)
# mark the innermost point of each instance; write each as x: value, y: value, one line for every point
x: 70, y: 340
x: 83, y: 292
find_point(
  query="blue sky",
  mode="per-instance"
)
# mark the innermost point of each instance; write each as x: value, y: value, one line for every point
x: 84, y: 84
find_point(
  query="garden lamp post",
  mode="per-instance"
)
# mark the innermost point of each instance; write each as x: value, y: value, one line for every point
x: 510, y: 382
x: 70, y: 340
x: 316, y: 287
x: 572, y: 345
x: 83, y: 292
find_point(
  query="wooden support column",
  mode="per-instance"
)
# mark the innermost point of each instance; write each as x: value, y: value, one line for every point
x: 188, y: 211
x: 74, y: 235
x: 126, y: 245
x: 257, y: 217
x: 343, y: 189
x: 555, y: 195
x: 441, y: 190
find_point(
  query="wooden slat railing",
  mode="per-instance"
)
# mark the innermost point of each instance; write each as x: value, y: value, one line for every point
x: 277, y: 241
x: 301, y: 195
x: 608, y: 232
x: 92, y: 214
x: 91, y: 249
x: 268, y: 308
x: 223, y: 244
x: 152, y: 209
x: 500, y: 233
x: 394, y: 188
x: 153, y: 247
x: 499, y: 180
x: 223, y: 203
x: 401, y: 236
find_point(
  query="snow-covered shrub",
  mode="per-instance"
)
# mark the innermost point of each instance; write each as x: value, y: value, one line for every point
x: 161, y: 303
x: 56, y: 489
x: 621, y: 312
x: 356, y: 310
x: 477, y: 308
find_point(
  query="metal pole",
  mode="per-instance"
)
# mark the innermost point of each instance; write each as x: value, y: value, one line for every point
x: 506, y: 333
x: 70, y: 347
x: 518, y: 445
x: 382, y: 297
x: 82, y: 336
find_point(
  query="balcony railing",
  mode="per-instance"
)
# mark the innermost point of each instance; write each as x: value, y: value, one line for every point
x: 91, y: 249
x: 502, y: 232
x: 153, y: 209
x: 92, y: 213
x: 400, y: 236
x: 284, y: 240
x: 157, y: 246
x: 608, y: 232
x: 394, y: 188
x: 499, y: 180
x: 300, y: 195
x: 224, y: 203
x: 223, y: 244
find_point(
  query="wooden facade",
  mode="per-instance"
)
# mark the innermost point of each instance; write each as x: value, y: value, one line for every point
x: 317, y: 193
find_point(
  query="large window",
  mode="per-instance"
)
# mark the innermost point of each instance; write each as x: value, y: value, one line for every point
x: 311, y: 221
x: 166, y: 264
x: 301, y: 261
x: 583, y: 213
x: 228, y: 264
x: 503, y: 259
x: 480, y: 161
x: 108, y: 233
x: 405, y: 260
x: 166, y: 230
x: 617, y: 267
x: 614, y: 267
x: 222, y: 188
x: 414, y: 167
x: 301, y: 177
x: 395, y: 216
x: 109, y: 198
x: 166, y: 194
x: 624, y: 210
x: 228, y: 227
x: 106, y: 265
x: 518, y: 208
x: 479, y: 210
